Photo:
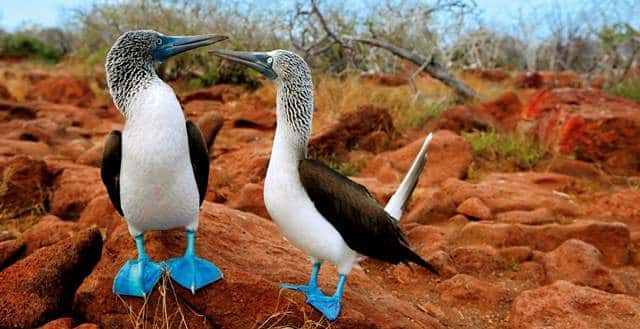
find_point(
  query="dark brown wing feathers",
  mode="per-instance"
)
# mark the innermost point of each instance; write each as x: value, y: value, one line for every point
x: 349, y: 207
x: 110, y: 168
x: 199, y: 155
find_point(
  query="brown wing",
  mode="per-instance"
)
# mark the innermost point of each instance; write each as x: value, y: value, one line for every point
x: 199, y: 155
x: 110, y: 168
x: 349, y: 207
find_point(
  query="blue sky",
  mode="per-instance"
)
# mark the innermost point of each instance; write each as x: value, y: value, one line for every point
x: 500, y: 13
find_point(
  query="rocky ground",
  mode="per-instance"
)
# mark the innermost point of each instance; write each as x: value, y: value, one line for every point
x: 555, y: 246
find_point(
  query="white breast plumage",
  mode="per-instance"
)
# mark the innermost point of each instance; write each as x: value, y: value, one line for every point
x: 157, y: 184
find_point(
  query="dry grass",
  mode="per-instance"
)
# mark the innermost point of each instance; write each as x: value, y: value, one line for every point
x: 160, y: 315
x: 409, y: 109
x: 280, y: 318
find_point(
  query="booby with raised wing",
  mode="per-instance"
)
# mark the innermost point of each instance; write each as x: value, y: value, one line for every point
x: 156, y: 170
x: 320, y: 211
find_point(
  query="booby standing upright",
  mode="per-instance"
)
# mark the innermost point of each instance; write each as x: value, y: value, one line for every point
x: 323, y: 213
x: 156, y: 169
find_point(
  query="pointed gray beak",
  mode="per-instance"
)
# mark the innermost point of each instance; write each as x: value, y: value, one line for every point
x: 258, y: 61
x: 173, y: 45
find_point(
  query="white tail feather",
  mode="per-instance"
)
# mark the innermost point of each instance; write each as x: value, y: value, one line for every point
x: 399, y: 199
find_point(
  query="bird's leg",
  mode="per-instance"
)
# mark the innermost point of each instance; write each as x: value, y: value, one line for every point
x: 329, y: 306
x: 137, y: 277
x: 312, y: 286
x: 190, y: 271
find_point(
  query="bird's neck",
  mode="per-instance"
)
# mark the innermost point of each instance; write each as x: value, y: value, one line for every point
x: 128, y: 79
x: 294, y: 114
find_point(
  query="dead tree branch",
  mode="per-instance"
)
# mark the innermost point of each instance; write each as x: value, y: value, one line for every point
x: 428, y: 65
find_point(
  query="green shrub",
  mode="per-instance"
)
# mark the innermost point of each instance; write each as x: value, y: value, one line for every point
x: 629, y: 88
x: 21, y: 45
x: 523, y: 151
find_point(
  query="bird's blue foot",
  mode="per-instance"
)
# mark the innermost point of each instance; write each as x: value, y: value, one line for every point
x: 311, y: 287
x: 329, y: 306
x: 137, y: 277
x: 307, y: 289
x: 190, y: 271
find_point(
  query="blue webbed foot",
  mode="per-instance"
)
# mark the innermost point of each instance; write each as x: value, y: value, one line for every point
x: 193, y: 272
x: 329, y: 306
x: 307, y: 289
x: 190, y: 271
x: 137, y: 277
x: 311, y: 287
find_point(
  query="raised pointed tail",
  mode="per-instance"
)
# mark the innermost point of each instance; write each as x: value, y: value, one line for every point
x: 399, y: 199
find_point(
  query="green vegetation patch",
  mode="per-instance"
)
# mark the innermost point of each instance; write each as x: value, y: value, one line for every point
x: 629, y: 88
x: 522, y: 150
x: 19, y: 45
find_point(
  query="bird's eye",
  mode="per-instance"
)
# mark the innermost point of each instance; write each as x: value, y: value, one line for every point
x: 159, y: 41
x: 269, y: 60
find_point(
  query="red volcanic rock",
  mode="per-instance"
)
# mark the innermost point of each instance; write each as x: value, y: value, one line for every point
x: 563, y: 305
x: 100, y: 212
x: 49, y: 230
x: 623, y: 206
x: 73, y: 189
x: 5, y: 94
x: 74, y: 148
x: 61, y: 323
x: 62, y: 90
x: 389, y: 80
x: 10, y: 250
x: 494, y: 75
x: 254, y: 258
x: 426, y: 239
x: 474, y: 208
x: 580, y: 263
x: 612, y: 239
x: 574, y: 168
x: 41, y: 286
x: 36, y: 150
x: 375, y: 142
x: 12, y: 110
x: 502, y: 113
x: 221, y: 93
x: 67, y: 323
x: 87, y: 326
x: 250, y: 199
x: 449, y: 155
x: 465, y: 290
x: 432, y: 206
x: 339, y: 138
x: 590, y: 124
x: 506, y: 110
x: 251, y: 117
x: 210, y: 124
x: 465, y: 118
x: 528, y: 80
x: 530, y: 217
x: 199, y: 108
x: 231, y: 171
x: 564, y: 79
x: 519, y: 191
x: 37, y: 130
x: 23, y: 186
x: 479, y: 260
x: 91, y: 157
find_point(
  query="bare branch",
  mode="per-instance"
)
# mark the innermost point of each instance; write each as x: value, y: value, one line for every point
x: 430, y: 66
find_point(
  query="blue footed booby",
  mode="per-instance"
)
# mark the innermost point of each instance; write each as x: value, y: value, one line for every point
x: 320, y: 211
x: 156, y: 169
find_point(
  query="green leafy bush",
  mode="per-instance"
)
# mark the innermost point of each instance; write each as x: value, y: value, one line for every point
x: 21, y: 45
